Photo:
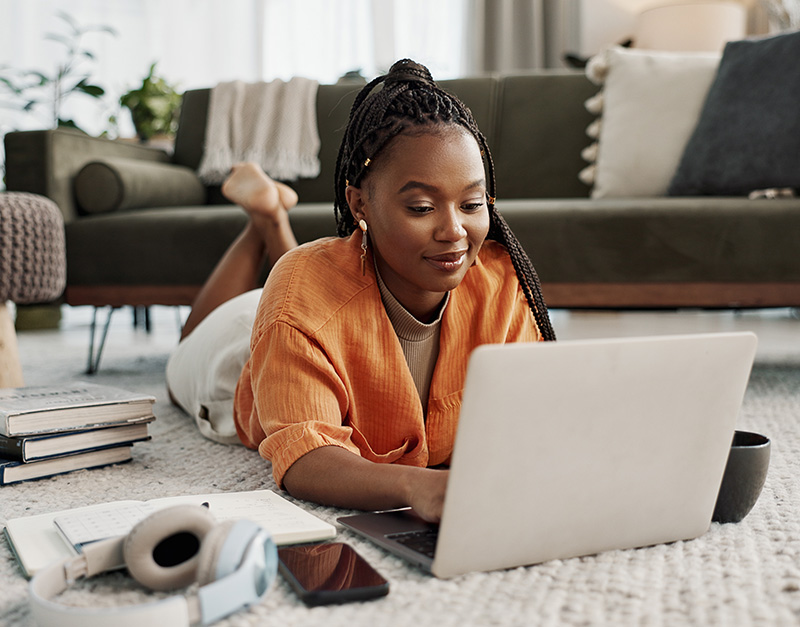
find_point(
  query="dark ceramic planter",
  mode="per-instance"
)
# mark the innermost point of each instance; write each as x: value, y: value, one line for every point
x: 744, y: 477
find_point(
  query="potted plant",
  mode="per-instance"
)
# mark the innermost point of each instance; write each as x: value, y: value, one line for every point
x: 154, y: 106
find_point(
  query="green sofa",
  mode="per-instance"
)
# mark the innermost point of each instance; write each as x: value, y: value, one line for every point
x: 590, y: 253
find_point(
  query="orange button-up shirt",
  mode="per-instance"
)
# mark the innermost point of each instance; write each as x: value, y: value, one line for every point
x: 326, y: 368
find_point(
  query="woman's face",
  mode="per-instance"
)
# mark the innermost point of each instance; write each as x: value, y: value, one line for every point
x: 424, y: 201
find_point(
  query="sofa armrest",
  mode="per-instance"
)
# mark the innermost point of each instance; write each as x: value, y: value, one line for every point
x: 117, y: 183
x: 46, y: 162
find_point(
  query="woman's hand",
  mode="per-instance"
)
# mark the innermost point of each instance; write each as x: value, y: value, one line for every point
x: 426, y: 492
x: 334, y: 476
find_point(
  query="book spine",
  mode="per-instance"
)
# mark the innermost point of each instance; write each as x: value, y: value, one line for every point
x: 4, y: 465
x: 4, y: 426
x: 12, y: 448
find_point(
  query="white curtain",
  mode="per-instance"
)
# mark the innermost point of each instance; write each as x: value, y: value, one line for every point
x: 198, y: 43
x: 509, y: 35
x: 514, y: 35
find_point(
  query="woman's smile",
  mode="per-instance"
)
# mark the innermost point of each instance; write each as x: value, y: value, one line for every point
x: 448, y: 262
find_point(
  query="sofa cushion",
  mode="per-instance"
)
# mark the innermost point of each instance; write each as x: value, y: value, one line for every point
x: 115, y: 183
x: 657, y: 240
x: 649, y: 106
x: 168, y: 245
x: 538, y: 134
x: 748, y: 134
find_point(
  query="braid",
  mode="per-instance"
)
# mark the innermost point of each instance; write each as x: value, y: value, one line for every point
x: 409, y: 97
x: 526, y: 273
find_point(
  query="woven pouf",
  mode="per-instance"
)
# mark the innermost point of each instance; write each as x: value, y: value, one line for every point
x: 33, y: 266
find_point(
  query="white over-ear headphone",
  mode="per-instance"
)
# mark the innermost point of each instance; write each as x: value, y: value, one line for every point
x: 234, y: 562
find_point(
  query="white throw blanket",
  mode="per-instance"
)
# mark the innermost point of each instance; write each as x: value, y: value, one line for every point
x: 273, y: 124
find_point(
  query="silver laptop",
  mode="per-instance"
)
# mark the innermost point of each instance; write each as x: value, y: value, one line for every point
x: 576, y: 447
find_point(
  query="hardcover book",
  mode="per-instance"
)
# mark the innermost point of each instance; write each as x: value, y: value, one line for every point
x: 12, y: 471
x: 48, y: 409
x: 35, y: 447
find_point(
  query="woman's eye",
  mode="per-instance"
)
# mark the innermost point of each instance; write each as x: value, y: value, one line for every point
x: 472, y: 207
x: 420, y: 208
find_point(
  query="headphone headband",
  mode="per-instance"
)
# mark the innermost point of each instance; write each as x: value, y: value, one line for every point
x: 241, y: 567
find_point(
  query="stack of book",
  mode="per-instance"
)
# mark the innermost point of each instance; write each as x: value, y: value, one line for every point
x: 46, y: 431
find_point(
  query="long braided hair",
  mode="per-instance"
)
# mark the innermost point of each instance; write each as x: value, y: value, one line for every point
x: 409, y: 98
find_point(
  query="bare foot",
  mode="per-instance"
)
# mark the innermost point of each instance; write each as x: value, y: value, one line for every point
x: 287, y: 194
x: 248, y: 186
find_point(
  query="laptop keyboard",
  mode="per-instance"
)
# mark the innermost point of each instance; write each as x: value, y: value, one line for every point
x: 423, y: 541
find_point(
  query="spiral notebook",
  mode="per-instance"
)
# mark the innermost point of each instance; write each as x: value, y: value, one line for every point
x: 40, y: 539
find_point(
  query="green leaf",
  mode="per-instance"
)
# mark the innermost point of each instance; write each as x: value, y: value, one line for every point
x: 130, y: 100
x: 67, y: 124
x: 10, y: 85
x: 59, y: 38
x: 43, y: 79
x: 92, y: 90
x: 70, y: 21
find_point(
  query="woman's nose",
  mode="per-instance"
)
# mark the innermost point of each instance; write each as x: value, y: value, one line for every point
x: 452, y: 227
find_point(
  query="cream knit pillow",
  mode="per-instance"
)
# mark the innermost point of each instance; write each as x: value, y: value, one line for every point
x: 649, y: 105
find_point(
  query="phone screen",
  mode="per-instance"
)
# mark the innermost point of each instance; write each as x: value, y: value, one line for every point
x: 330, y: 573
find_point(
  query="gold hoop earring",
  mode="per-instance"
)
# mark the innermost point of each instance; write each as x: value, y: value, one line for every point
x: 363, y: 226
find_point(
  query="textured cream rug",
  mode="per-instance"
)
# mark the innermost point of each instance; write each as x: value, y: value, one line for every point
x: 741, y: 574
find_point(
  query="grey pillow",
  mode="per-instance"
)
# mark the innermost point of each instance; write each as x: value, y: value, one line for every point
x: 114, y: 183
x: 748, y: 133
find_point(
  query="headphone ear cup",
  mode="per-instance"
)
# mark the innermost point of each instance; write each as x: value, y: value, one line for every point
x: 162, y: 551
x: 209, y: 554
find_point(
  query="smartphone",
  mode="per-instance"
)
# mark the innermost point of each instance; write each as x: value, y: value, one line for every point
x: 321, y: 574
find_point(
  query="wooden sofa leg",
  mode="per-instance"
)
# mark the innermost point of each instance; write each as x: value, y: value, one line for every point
x: 10, y: 368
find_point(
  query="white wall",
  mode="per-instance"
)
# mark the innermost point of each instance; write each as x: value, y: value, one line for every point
x: 604, y: 22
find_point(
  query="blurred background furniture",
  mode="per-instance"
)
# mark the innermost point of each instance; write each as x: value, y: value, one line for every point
x: 610, y: 252
x: 632, y: 252
x: 690, y: 26
x: 32, y: 267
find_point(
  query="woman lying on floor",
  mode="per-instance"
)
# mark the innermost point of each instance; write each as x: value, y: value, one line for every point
x: 346, y: 370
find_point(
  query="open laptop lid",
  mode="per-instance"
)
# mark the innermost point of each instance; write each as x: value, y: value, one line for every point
x: 576, y: 447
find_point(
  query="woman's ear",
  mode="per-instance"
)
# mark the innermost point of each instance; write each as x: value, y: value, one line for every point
x: 356, y: 201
